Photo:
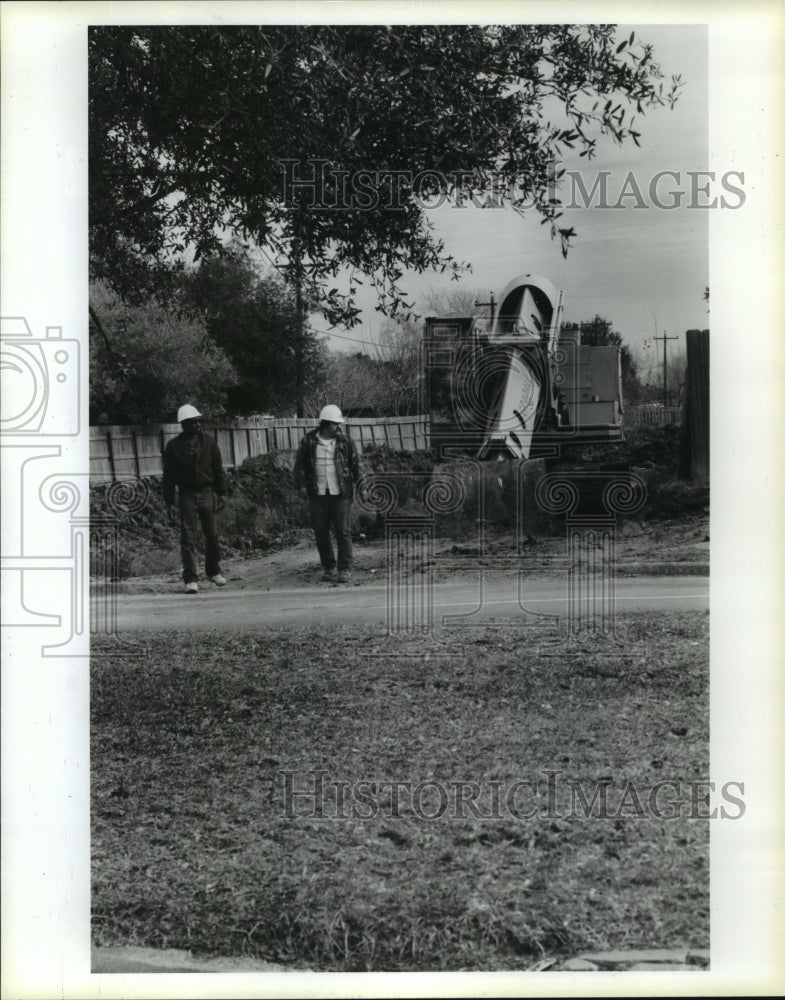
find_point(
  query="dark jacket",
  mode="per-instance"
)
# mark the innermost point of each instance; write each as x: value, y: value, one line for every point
x: 349, y: 464
x: 192, y: 472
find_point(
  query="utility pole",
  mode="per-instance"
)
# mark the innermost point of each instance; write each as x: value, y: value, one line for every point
x: 296, y: 257
x: 492, y: 304
x: 299, y: 359
x: 665, y: 338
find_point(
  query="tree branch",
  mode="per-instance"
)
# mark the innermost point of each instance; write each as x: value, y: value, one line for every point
x: 148, y: 202
x: 97, y: 322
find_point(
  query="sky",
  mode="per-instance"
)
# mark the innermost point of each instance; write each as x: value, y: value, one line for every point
x: 643, y: 268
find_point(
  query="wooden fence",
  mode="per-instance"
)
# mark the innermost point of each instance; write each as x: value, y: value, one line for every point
x: 650, y: 416
x: 123, y: 452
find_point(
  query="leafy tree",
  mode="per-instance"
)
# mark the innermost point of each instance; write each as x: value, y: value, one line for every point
x: 146, y: 361
x: 255, y: 318
x: 193, y: 129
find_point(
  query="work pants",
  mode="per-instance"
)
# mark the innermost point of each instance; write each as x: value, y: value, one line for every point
x: 198, y: 507
x: 332, y: 511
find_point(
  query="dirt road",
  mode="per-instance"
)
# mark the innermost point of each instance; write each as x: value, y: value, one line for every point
x: 448, y: 603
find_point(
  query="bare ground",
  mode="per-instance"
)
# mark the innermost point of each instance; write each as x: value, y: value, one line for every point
x: 641, y: 547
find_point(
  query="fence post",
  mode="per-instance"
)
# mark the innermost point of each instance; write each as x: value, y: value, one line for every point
x: 110, y: 451
x: 135, y: 446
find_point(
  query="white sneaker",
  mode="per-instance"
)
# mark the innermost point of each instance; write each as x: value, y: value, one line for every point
x: 192, y: 587
x: 218, y: 580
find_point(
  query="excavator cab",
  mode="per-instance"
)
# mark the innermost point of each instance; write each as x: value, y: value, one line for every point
x: 519, y: 383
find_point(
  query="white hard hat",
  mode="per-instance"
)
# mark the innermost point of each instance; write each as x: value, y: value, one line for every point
x: 331, y: 413
x: 187, y: 412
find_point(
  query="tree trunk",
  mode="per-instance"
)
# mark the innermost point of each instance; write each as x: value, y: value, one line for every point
x: 300, y: 349
x: 99, y: 327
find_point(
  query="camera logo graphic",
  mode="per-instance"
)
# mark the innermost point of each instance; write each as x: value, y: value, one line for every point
x: 40, y: 380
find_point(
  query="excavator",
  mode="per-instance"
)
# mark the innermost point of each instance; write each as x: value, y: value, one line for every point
x: 518, y: 382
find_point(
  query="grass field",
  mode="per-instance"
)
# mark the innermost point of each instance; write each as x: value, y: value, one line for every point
x: 200, y: 840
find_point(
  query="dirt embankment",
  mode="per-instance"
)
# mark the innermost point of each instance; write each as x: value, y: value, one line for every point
x: 266, y: 537
x: 265, y: 512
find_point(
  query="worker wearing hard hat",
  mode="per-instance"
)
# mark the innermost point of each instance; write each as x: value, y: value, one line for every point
x: 192, y: 463
x: 329, y: 465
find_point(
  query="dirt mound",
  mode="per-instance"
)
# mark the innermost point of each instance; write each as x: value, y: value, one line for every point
x: 266, y: 513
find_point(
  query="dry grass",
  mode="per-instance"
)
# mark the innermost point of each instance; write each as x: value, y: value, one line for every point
x: 193, y: 847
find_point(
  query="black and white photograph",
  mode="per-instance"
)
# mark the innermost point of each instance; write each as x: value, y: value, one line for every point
x: 390, y: 467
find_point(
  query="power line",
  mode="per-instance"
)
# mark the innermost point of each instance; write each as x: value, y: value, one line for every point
x: 351, y: 340
x: 365, y: 343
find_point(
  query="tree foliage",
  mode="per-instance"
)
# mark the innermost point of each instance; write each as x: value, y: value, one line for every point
x: 191, y: 127
x: 254, y: 318
x: 146, y: 361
